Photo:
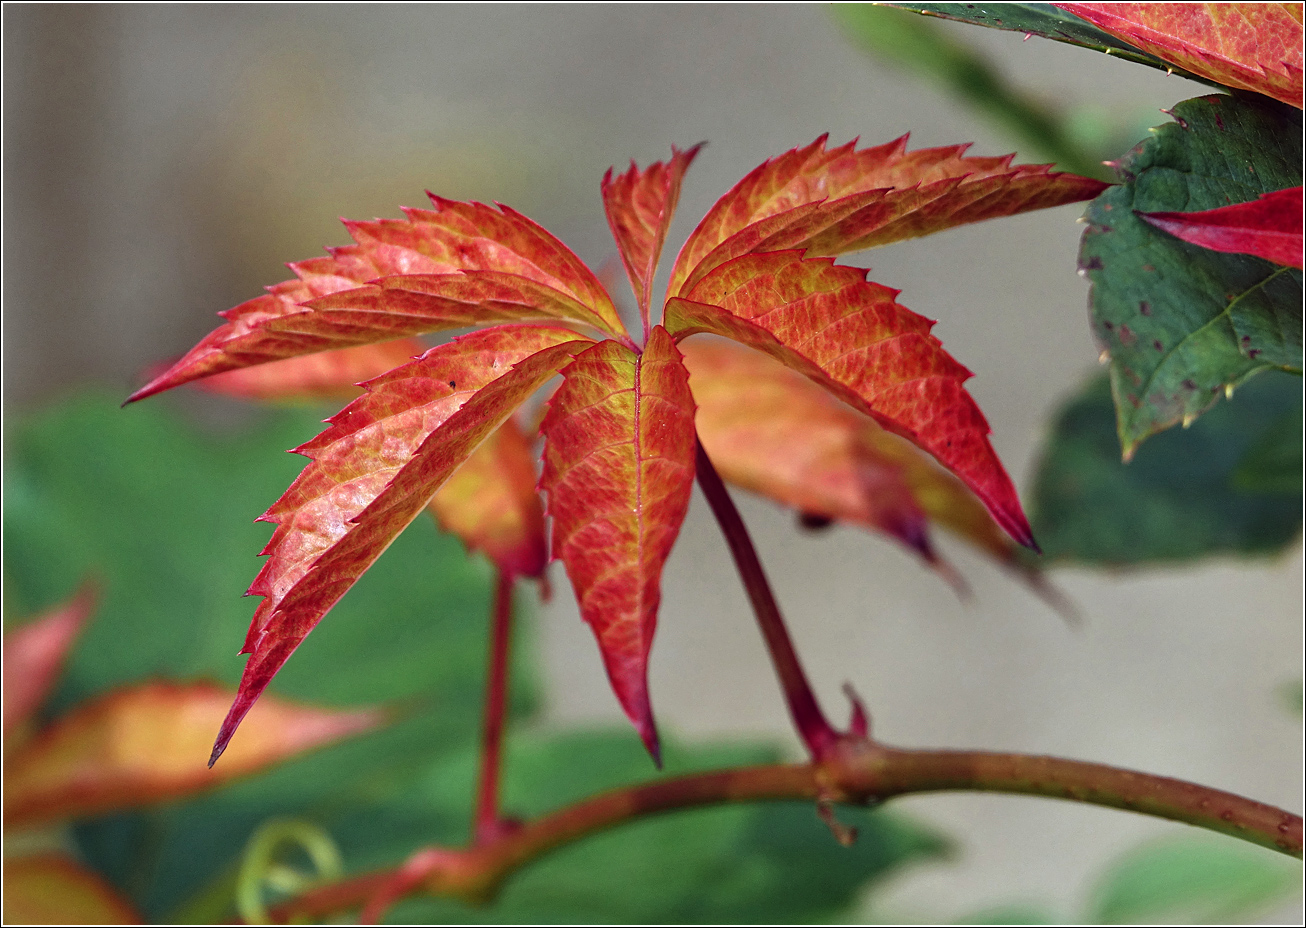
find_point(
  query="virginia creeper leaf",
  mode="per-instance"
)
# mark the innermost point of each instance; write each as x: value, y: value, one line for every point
x: 145, y: 744
x: 851, y: 337
x: 1045, y: 20
x: 1268, y: 227
x: 458, y: 265
x: 491, y: 504
x: 639, y: 205
x: 840, y: 200
x: 1250, y: 46
x: 1183, y: 323
x: 378, y: 465
x: 54, y: 889
x: 618, y: 469
x: 34, y: 654
x: 1185, y: 494
x: 327, y: 375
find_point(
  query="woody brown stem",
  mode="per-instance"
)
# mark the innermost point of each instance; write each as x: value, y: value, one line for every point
x: 857, y: 771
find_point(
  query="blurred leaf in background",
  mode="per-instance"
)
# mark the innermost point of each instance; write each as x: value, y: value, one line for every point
x: 1226, y: 485
x: 163, y: 514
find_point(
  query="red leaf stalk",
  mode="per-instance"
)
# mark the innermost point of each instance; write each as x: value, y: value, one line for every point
x: 811, y: 723
x: 488, y: 825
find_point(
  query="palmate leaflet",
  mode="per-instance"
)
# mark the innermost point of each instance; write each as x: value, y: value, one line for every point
x: 619, y: 436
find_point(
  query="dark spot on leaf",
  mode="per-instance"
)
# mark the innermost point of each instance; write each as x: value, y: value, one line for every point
x: 1156, y: 343
x: 1132, y: 399
x: 1247, y: 339
x: 1107, y: 207
x: 1127, y: 337
x: 453, y: 385
x: 1133, y: 377
x: 1145, y: 307
x: 1148, y: 268
x: 1253, y: 353
x: 1188, y: 384
x: 1093, y: 264
x: 1219, y: 123
x: 1108, y: 326
x: 814, y: 522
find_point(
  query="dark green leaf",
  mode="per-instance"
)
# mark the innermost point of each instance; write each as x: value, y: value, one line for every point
x: 1274, y: 463
x: 1192, y: 880
x: 1181, y: 323
x: 1179, y: 497
x: 1043, y: 19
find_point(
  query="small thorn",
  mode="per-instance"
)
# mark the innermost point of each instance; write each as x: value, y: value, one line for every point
x: 1104, y: 357
x: 844, y: 834
x: 1189, y: 419
x: 860, y: 723
x: 1228, y: 391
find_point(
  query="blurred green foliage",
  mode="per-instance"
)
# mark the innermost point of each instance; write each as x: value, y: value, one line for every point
x: 163, y: 514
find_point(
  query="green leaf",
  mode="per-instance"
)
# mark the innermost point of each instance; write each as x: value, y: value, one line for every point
x: 163, y: 514
x: 1181, y: 495
x: 1274, y: 463
x: 1181, y: 323
x: 1193, y: 880
x: 1043, y: 19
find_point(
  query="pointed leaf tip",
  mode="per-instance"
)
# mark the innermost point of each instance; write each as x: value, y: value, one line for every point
x: 1268, y: 227
x: 618, y: 470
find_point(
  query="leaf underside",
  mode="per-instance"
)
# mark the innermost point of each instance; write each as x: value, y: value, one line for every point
x: 772, y: 431
x: 851, y: 337
x: 374, y: 470
x: 1248, y: 46
x: 1183, y: 323
x: 1268, y: 227
x: 618, y: 470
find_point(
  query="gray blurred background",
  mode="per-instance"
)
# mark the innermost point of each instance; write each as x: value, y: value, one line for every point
x: 161, y: 163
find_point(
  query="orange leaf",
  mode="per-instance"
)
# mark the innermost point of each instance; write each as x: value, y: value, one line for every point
x: 841, y: 200
x: 373, y: 470
x: 34, y: 654
x: 469, y: 263
x: 618, y: 468
x: 54, y: 889
x: 1250, y: 46
x: 850, y: 336
x: 327, y: 375
x: 491, y: 504
x: 639, y: 205
x: 147, y: 744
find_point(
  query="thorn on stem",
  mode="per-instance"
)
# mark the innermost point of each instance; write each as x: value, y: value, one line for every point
x: 846, y: 835
x: 860, y: 723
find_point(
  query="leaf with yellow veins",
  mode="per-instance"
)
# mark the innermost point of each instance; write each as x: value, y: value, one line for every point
x: 490, y: 265
x: 618, y: 469
x: 1250, y: 46
x: 852, y: 337
x: 839, y: 200
x: 639, y: 205
x: 375, y: 468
